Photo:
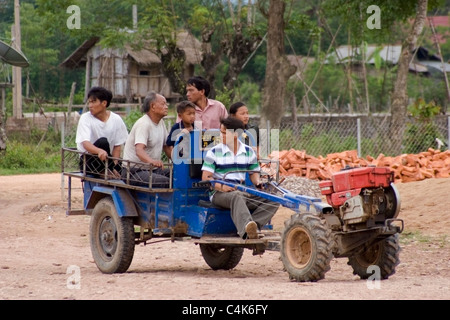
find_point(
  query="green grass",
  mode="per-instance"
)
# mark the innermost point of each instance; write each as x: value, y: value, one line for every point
x: 15, y: 172
x: 31, y: 154
x: 415, y: 236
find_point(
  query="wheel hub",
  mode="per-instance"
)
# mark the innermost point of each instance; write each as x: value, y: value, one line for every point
x: 108, y: 237
x: 370, y: 256
x: 299, y: 247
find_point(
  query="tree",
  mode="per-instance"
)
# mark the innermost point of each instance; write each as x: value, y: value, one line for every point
x: 206, y: 22
x: 400, y: 93
x: 278, y: 69
x: 234, y: 34
x: 392, y: 13
x: 164, y: 32
x: 240, y: 43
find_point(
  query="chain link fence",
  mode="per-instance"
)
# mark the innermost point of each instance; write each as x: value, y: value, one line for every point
x: 68, y: 136
x: 369, y: 135
x: 322, y: 135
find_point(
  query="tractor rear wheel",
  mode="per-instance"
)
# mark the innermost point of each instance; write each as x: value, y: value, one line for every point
x: 384, y: 254
x: 306, y: 247
x: 112, y: 238
x: 221, y: 257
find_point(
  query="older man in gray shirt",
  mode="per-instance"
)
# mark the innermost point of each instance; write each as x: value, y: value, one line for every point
x: 147, y: 141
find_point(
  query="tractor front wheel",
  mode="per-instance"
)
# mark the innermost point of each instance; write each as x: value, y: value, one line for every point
x: 306, y: 248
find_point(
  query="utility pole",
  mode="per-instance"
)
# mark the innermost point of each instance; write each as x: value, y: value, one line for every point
x: 17, y: 71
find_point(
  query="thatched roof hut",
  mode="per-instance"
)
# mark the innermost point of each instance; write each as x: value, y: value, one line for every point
x: 129, y: 73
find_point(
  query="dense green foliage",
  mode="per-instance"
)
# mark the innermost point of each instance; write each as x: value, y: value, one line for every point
x: 34, y: 152
x: 47, y: 41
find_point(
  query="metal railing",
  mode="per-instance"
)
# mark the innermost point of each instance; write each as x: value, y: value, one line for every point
x: 125, y: 174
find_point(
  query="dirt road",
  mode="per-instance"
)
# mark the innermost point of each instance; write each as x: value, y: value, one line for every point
x: 46, y: 255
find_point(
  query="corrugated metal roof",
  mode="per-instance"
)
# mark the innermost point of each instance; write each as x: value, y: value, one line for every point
x: 437, y: 65
x: 388, y: 53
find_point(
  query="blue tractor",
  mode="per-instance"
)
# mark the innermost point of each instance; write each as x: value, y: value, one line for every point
x: 125, y: 212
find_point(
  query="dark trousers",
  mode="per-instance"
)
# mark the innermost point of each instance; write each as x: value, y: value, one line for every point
x: 141, y: 177
x: 240, y: 205
x: 94, y: 165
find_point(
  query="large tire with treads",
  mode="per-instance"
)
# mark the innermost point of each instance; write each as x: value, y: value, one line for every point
x: 383, y: 254
x: 111, y: 237
x: 306, y: 247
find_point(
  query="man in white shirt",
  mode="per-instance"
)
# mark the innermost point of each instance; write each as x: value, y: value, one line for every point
x: 100, y: 132
x: 147, y: 141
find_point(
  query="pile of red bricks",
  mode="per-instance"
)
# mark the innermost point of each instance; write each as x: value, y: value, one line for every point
x: 407, y: 167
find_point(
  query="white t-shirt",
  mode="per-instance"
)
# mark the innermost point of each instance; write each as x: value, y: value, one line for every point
x: 91, y: 129
x: 146, y: 132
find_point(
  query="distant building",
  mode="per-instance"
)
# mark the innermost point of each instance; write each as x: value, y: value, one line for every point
x: 128, y: 73
x: 423, y: 62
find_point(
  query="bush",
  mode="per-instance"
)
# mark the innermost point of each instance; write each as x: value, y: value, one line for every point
x: 33, y: 152
x: 131, y: 118
x: 422, y: 135
x: 26, y: 158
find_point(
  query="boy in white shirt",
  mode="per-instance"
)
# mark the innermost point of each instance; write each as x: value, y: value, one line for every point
x: 100, y: 132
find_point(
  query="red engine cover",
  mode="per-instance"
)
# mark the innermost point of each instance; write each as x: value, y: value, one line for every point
x: 354, y: 179
x: 357, y: 178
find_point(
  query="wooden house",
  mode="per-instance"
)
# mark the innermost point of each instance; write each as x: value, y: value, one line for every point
x: 130, y: 74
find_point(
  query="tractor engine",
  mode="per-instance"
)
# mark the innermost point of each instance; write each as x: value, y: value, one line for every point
x: 362, y: 197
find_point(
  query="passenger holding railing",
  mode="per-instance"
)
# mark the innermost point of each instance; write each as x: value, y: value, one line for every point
x: 100, y: 132
x: 146, y: 142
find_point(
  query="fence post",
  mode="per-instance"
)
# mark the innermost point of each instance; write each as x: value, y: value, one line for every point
x: 63, y: 135
x: 63, y: 144
x: 358, y: 125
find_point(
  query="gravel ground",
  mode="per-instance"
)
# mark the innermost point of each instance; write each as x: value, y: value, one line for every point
x: 301, y: 186
x: 45, y: 255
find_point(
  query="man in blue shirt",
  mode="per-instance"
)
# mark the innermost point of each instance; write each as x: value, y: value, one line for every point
x: 186, y: 112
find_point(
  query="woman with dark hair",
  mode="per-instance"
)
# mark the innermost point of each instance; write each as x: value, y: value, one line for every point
x: 251, y: 136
